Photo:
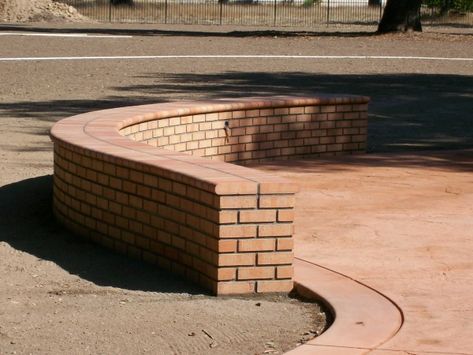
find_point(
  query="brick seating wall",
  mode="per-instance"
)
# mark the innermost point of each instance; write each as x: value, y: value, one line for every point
x: 226, y: 227
x: 260, y: 134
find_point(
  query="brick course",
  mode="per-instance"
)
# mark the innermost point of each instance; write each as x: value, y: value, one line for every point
x: 151, y: 182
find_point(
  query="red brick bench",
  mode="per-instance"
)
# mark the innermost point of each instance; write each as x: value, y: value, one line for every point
x: 152, y: 182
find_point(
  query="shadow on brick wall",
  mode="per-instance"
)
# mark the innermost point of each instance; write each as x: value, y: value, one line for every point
x: 28, y: 225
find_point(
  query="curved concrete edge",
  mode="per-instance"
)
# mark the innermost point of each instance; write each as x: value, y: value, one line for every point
x: 364, y: 318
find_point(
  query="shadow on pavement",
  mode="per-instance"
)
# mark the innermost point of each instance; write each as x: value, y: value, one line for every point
x: 407, y: 112
x: 456, y: 160
x: 188, y: 33
x: 27, y: 224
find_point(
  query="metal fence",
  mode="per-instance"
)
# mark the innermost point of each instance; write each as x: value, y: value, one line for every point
x: 302, y: 13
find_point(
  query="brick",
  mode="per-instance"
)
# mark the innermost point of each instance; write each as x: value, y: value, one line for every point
x: 285, y: 244
x: 334, y: 147
x: 359, y: 138
x: 274, y: 286
x: 351, y: 115
x: 225, y: 115
x: 227, y: 288
x: 334, y: 131
x: 156, y: 247
x: 256, y: 245
x: 122, y: 172
x: 211, y: 151
x: 255, y: 273
x: 242, y: 123
x: 328, y: 108
x: 281, y: 111
x: 205, y: 143
x: 210, y: 117
x: 128, y: 237
x: 275, y: 230
x: 296, y: 126
x: 222, y: 246
x: 285, y: 272
x: 287, y: 151
x: 267, y: 112
x: 327, y: 140
x: 312, y: 109
x: 143, y: 191
x: 136, y: 202
x: 236, y: 231
x: 360, y: 107
x: 178, y: 242
x: 318, y: 148
x: 209, y: 256
x: 180, y: 130
x: 142, y: 242
x: 275, y: 258
x: 296, y: 110
x: 343, y: 139
x: 255, y: 216
x: 115, y: 208
x: 237, y: 202
x: 246, y: 259
x: 280, y: 127
x: 129, y: 187
x: 226, y: 274
x: 227, y: 217
x: 350, y: 146
x: 276, y: 201
x: 344, y: 108
x: 251, y: 130
x: 303, y: 150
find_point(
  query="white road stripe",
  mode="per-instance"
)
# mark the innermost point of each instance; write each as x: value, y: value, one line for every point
x: 211, y: 56
x: 73, y: 35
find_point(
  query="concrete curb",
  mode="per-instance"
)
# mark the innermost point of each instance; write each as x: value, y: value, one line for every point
x: 364, y: 318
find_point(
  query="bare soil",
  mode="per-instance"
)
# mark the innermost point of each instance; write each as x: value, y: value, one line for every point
x: 62, y: 295
x: 37, y: 11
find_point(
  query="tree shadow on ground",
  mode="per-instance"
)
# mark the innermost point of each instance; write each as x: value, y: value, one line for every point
x: 27, y: 224
x: 455, y: 161
x: 407, y: 112
x: 217, y: 32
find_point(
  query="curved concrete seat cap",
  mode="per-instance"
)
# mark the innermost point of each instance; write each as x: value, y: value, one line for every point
x: 154, y: 182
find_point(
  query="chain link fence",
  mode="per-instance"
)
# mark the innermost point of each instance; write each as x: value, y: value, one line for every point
x: 301, y: 13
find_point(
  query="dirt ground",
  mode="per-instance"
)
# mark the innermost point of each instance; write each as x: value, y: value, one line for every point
x: 60, y: 294
x: 37, y: 10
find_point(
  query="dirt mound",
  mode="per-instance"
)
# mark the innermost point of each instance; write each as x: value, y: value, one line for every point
x: 37, y: 11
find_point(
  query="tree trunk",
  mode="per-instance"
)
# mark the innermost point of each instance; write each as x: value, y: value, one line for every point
x: 445, y: 7
x: 401, y: 16
x: 122, y: 2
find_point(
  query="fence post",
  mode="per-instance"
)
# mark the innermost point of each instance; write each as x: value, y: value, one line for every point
x: 274, y: 17
x: 221, y: 12
x: 328, y: 12
x: 109, y: 10
x: 380, y: 10
x: 165, y: 11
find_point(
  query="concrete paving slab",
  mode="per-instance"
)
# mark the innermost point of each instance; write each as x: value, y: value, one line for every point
x: 402, y: 224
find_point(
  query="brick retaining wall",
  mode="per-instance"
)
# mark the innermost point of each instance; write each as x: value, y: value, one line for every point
x: 175, y: 203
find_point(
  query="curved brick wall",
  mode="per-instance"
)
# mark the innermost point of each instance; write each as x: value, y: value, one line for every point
x: 174, y: 203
